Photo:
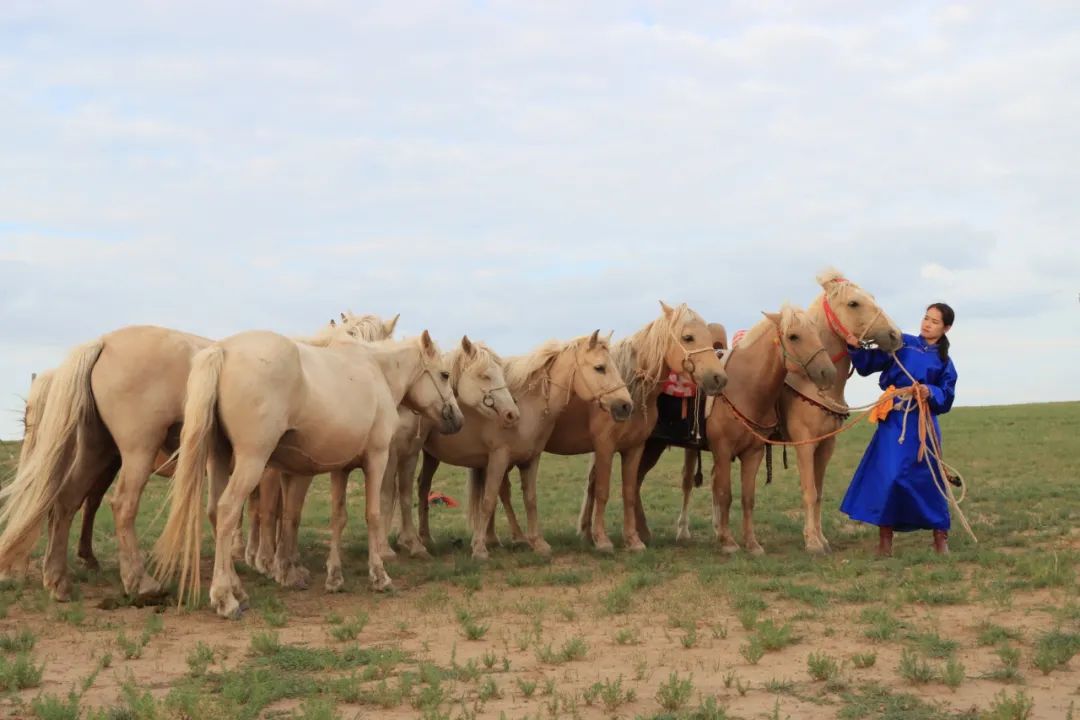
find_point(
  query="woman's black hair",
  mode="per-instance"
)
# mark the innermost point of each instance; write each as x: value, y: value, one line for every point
x: 947, y: 318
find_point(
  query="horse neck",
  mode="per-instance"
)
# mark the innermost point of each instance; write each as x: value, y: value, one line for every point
x: 834, y: 346
x: 400, y: 366
x: 756, y: 374
x: 562, y: 373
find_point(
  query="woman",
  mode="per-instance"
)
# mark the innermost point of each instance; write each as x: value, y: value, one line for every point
x: 892, y: 488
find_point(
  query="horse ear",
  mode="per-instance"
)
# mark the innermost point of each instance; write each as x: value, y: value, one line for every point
x: 594, y: 338
x: 33, y: 377
x: 344, y: 318
x: 427, y: 344
x: 609, y: 335
x: 332, y: 323
x: 389, y: 325
x: 467, y: 346
x: 668, y: 310
x: 774, y: 317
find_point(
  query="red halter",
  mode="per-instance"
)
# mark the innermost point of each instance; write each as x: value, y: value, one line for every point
x: 836, y: 326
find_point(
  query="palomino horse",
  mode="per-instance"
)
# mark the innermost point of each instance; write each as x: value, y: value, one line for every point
x: 305, y: 410
x: 267, y: 500
x: 846, y: 315
x: 780, y: 343
x: 544, y: 383
x: 476, y: 377
x: 679, y: 340
x: 111, y: 407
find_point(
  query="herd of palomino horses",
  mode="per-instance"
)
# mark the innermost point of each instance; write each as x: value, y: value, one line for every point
x: 255, y: 417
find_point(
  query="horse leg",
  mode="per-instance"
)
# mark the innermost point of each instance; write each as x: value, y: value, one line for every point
x: 805, y: 456
x: 586, y: 515
x: 288, y: 571
x: 270, y: 502
x: 339, y: 485
x: 227, y: 595
x: 252, y: 549
x: 490, y: 538
x: 749, y: 462
x: 653, y: 450
x: 631, y: 461
x: 136, y: 466
x: 423, y: 492
x: 517, y: 537
x: 88, y: 466
x: 721, y: 498
x: 528, y: 474
x: 374, y: 468
x: 602, y: 465
x: 387, y: 501
x: 492, y: 478
x: 822, y: 456
x: 682, y: 525
x: 408, y: 538
x: 89, y: 512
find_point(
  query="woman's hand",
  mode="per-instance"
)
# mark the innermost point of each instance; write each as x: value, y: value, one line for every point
x: 924, y: 392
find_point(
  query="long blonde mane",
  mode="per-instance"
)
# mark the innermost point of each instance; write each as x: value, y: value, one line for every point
x: 461, y: 362
x: 523, y: 371
x: 761, y: 327
x: 641, y: 357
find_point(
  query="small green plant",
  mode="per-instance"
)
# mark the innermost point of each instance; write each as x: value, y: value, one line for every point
x: 689, y: 638
x: 610, y: 693
x: 19, y: 674
x: 488, y: 690
x: 953, y: 673
x: 864, y: 660
x: 199, y: 659
x: 753, y: 651
x: 748, y: 618
x: 915, y: 670
x: 628, y: 636
x: 21, y: 641
x: 73, y: 614
x: 1054, y: 649
x: 345, y: 631
x: 472, y: 629
x: 775, y: 638
x: 1010, y: 707
x: 619, y: 600
x: 132, y: 649
x: 673, y: 694
x: 527, y: 687
x: 882, y: 625
x: 821, y: 666
x: 991, y: 634
x: 51, y: 707
x: 1010, y: 665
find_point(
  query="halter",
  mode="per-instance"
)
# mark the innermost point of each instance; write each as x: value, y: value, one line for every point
x: 489, y: 396
x: 447, y: 412
x: 688, y: 365
x: 838, y: 329
x: 786, y: 356
x: 597, y: 395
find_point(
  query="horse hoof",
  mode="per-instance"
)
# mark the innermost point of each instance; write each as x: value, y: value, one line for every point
x: 480, y: 554
x: 419, y: 553
x: 387, y: 554
x: 60, y: 591
x: 334, y: 581
x: 604, y: 547
x: 729, y: 548
x: 90, y: 563
x: 380, y: 581
x: 816, y: 549
x: 755, y: 549
x: 635, y: 546
x: 297, y: 578
x: 683, y: 536
x: 541, y: 547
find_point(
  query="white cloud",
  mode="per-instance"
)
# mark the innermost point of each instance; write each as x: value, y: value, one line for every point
x: 521, y: 171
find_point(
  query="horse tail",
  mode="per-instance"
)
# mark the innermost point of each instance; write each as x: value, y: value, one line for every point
x: 35, y: 409
x: 53, y: 438
x: 177, y: 549
x: 585, y: 514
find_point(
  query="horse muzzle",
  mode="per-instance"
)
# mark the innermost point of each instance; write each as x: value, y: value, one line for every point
x: 712, y: 382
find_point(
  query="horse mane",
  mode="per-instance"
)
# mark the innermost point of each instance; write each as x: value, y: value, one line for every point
x: 361, y: 327
x: 521, y: 371
x: 461, y: 363
x: 836, y: 286
x: 787, y: 316
x: 640, y: 357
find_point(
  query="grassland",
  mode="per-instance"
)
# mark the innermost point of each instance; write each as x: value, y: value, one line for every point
x: 680, y: 631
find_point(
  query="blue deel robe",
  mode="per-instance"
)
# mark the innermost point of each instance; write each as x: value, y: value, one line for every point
x: 891, y: 487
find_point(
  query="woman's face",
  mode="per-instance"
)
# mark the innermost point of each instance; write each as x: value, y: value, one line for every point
x: 933, y: 327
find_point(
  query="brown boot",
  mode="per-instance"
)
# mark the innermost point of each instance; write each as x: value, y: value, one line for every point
x: 884, y: 548
x: 941, y: 542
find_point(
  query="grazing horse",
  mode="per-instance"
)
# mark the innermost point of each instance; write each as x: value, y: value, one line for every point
x: 261, y: 398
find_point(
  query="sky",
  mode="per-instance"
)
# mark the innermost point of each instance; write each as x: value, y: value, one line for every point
x: 521, y: 171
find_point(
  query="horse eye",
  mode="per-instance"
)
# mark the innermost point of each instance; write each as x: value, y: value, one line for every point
x: 793, y: 337
x: 486, y: 376
x: 688, y: 338
x: 353, y: 332
x: 853, y: 303
x: 600, y: 369
x: 445, y: 375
